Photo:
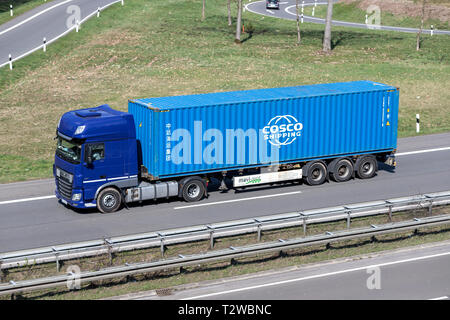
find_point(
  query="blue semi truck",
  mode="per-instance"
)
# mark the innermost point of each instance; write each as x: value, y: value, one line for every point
x: 173, y: 146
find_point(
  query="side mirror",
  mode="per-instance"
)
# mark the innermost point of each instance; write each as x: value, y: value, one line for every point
x: 88, y: 155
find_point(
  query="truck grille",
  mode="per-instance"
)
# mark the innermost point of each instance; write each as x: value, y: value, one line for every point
x: 64, y: 184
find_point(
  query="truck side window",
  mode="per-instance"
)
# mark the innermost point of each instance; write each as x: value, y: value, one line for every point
x: 98, y: 151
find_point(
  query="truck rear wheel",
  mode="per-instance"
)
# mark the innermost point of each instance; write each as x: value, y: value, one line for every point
x: 108, y: 200
x: 341, y: 170
x: 316, y: 173
x: 366, y: 167
x: 193, y: 190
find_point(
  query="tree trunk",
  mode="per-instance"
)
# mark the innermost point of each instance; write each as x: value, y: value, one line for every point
x: 421, y: 26
x: 327, y: 33
x: 229, y: 12
x: 298, y: 23
x: 238, y: 22
x: 203, y: 10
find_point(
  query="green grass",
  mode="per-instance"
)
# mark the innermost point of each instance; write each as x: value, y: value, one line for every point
x: 351, y: 13
x: 19, y: 7
x: 158, y: 48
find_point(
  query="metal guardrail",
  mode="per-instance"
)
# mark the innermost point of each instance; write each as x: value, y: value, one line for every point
x: 217, y: 230
x: 213, y: 256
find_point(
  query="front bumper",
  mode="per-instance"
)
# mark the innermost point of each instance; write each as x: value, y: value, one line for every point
x: 75, y: 204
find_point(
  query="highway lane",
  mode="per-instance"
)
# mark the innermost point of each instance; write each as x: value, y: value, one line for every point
x: 26, y: 32
x: 415, y: 273
x: 287, y: 11
x: 31, y: 224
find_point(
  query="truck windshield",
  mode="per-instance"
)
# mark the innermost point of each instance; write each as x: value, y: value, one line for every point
x: 68, y: 150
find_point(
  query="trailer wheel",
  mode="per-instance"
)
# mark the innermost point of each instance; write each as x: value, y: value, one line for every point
x: 341, y: 170
x: 193, y: 190
x: 316, y: 173
x: 109, y: 200
x: 366, y: 167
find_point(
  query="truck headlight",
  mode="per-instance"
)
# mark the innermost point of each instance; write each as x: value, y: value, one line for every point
x: 58, y: 172
x: 76, y: 197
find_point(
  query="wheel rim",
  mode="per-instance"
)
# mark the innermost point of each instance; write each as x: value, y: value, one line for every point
x: 193, y: 191
x: 343, y: 170
x: 367, y: 168
x: 316, y: 174
x: 109, y: 201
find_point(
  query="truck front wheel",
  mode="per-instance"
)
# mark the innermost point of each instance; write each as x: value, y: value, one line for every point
x: 108, y: 200
x: 193, y: 190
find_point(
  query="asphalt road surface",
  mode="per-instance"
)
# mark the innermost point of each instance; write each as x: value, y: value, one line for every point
x: 416, y: 273
x: 31, y: 217
x: 26, y: 32
x: 287, y: 11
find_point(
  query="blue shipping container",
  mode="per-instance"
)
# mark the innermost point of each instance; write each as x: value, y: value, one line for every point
x: 192, y: 134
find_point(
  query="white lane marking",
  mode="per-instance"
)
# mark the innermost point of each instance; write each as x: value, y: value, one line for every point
x: 421, y: 151
x: 34, y: 16
x: 270, y: 11
x: 317, y: 276
x: 237, y: 200
x: 26, y: 199
x: 440, y: 298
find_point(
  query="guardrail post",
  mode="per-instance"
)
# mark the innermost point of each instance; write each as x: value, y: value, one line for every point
x: 304, y: 225
x: 110, y: 254
x: 258, y: 229
x: 162, y: 246
x: 58, y: 266
x: 349, y: 217
x: 1, y: 270
x: 430, y: 208
x: 390, y: 212
x: 211, y: 237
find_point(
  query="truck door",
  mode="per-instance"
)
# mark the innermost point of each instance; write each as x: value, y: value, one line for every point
x: 95, y: 169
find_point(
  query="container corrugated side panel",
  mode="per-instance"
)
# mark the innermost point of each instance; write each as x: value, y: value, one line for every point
x: 333, y: 125
x: 144, y: 124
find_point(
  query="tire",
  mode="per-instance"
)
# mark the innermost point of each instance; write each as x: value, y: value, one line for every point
x: 341, y: 170
x: 193, y: 190
x: 109, y: 200
x: 366, y: 167
x: 316, y: 173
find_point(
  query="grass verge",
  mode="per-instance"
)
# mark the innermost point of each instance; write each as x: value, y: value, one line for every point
x: 19, y: 7
x: 171, y: 278
x: 160, y: 48
x: 350, y: 12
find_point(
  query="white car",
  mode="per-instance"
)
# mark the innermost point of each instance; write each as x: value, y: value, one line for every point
x: 272, y: 4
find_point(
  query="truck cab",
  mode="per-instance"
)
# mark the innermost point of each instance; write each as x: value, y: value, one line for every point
x: 95, y: 147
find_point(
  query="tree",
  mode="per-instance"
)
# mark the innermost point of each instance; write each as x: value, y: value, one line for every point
x: 327, y: 33
x: 238, y: 22
x: 298, y: 24
x: 203, y: 10
x: 419, y: 33
x: 229, y: 11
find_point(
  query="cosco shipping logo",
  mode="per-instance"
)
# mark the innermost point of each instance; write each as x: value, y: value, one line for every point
x: 282, y: 130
